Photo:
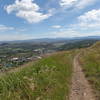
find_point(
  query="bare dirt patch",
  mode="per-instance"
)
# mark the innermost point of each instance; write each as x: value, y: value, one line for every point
x: 80, y: 89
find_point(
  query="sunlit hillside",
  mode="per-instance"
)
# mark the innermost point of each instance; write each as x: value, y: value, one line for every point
x: 90, y: 60
x: 47, y: 79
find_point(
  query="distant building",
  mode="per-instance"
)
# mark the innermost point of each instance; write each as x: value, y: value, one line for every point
x: 14, y: 59
x: 39, y: 57
x: 39, y: 51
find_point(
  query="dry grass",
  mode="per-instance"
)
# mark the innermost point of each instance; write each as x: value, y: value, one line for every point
x: 90, y: 60
x: 47, y: 79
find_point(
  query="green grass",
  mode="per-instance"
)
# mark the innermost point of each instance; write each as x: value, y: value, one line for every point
x: 90, y: 60
x: 47, y: 79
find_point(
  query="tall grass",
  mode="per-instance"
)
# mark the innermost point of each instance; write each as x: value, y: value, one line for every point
x: 90, y: 61
x: 47, y: 79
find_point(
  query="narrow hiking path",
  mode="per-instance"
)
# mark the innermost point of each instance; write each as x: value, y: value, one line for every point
x: 80, y: 89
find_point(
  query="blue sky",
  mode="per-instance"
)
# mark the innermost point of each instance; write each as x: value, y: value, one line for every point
x: 29, y: 19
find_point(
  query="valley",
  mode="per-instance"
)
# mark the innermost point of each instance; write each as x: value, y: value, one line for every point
x: 14, y: 53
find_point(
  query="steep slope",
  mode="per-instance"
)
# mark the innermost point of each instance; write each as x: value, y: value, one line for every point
x: 90, y: 61
x: 47, y: 79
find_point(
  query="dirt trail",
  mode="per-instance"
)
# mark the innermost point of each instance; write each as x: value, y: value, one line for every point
x: 80, y: 90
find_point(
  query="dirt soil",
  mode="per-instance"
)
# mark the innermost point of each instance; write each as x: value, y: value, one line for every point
x: 80, y: 89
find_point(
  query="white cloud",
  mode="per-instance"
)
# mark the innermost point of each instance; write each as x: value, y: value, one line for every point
x: 90, y: 19
x: 67, y: 3
x: 80, y: 4
x: 83, y: 3
x: 27, y: 10
x: 56, y: 26
x: 87, y: 24
x: 5, y: 28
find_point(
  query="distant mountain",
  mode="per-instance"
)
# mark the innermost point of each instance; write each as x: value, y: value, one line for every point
x: 89, y: 37
x: 51, y: 40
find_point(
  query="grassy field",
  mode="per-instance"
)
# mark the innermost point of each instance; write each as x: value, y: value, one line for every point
x: 47, y: 79
x: 90, y: 60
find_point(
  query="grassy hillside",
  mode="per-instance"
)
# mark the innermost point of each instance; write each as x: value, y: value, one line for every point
x: 90, y: 60
x: 47, y: 79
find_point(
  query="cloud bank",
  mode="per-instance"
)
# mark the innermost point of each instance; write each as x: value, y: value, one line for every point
x: 80, y: 4
x: 5, y: 28
x: 90, y: 19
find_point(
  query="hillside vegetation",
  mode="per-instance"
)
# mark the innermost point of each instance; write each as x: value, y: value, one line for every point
x: 47, y: 79
x: 90, y: 60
